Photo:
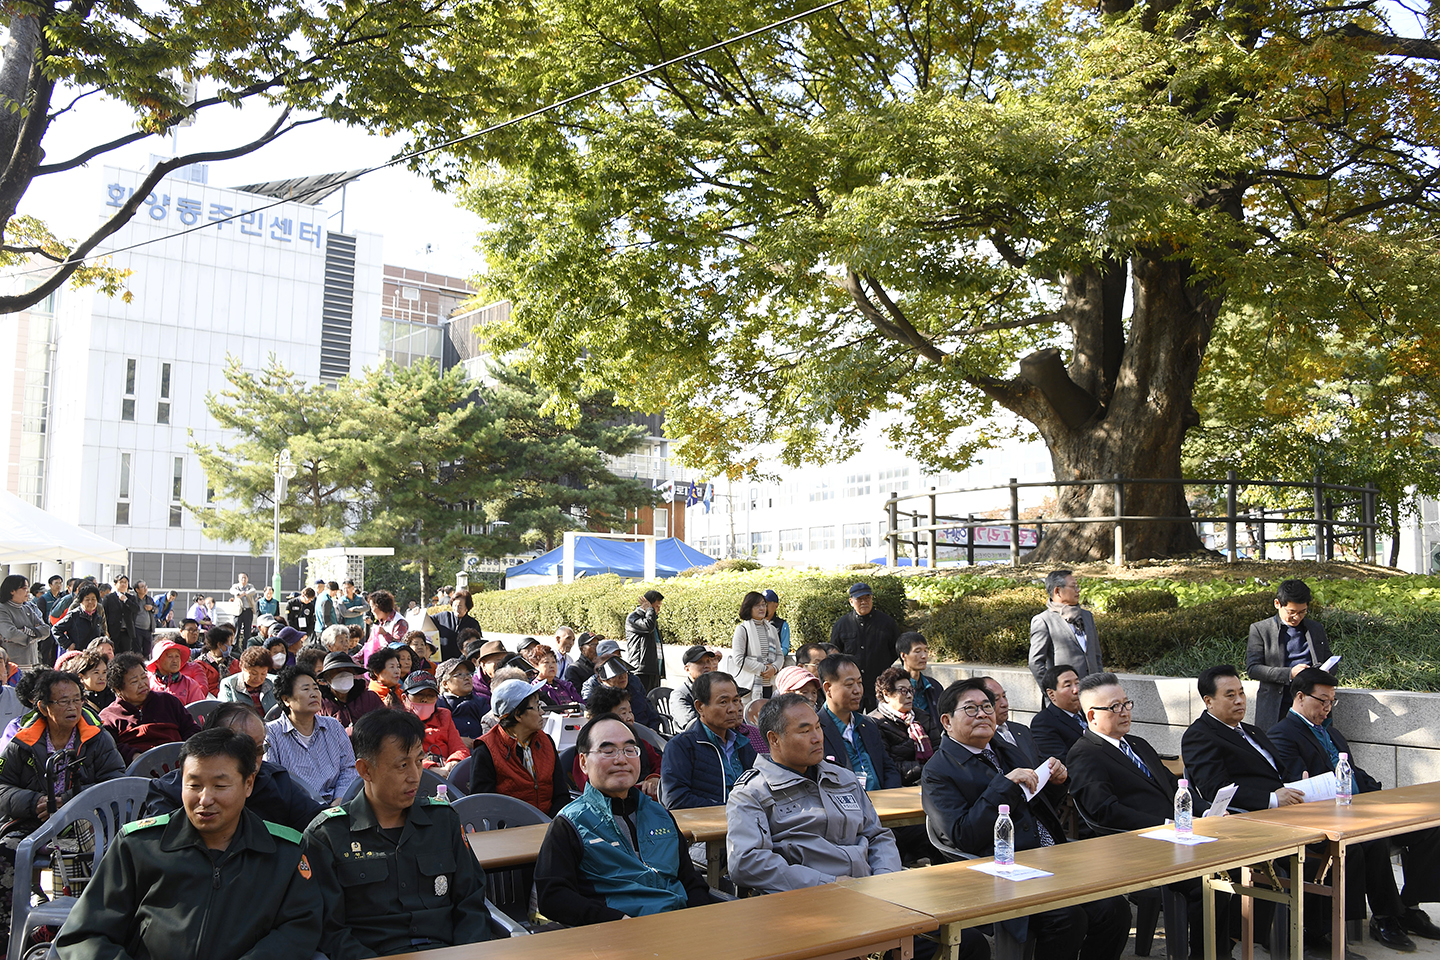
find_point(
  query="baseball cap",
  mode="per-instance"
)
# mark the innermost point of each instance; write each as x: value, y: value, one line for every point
x: 860, y: 590
x: 506, y: 698
x: 699, y: 652
x: 793, y: 679
x: 771, y: 596
x: 419, y: 680
x: 607, y: 648
x: 527, y: 643
x: 447, y: 668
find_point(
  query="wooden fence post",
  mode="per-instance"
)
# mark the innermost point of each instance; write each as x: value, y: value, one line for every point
x: 1119, y: 524
x: 1014, y: 522
x: 892, y: 535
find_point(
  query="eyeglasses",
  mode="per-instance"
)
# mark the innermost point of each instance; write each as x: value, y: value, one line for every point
x: 1123, y: 707
x: 1328, y: 701
x: 612, y: 752
x: 67, y: 702
x: 903, y: 692
x: 974, y: 710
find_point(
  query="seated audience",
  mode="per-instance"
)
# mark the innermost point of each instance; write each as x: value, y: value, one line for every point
x: 1305, y: 741
x: 904, y: 727
x: 1013, y: 732
x: 276, y: 796
x: 697, y: 660
x: 88, y: 666
x: 485, y: 658
x: 28, y: 794
x: 1220, y: 748
x: 252, y: 684
x: 443, y: 747
x: 1059, y: 723
x: 962, y: 788
x: 703, y: 761
x: 457, y: 694
x: 422, y: 652
x: 810, y: 654
x: 166, y: 665
x: 313, y: 748
x: 385, y: 666
x: 615, y: 672
x: 517, y: 757
x: 141, y: 718
x: 216, y: 663
x: 336, y: 639
x: 158, y: 889
x: 557, y: 691
x: 607, y: 700
x: 751, y: 725
x: 9, y: 672
x: 914, y: 658
x: 800, y: 680
x: 614, y: 853
x: 852, y: 739
x: 343, y: 693
x: 428, y: 890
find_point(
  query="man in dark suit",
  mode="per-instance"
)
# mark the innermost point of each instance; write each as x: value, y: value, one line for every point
x: 1013, y: 732
x: 1063, y: 632
x: 1305, y: 740
x: 1219, y: 748
x: 1060, y: 723
x: 853, y: 740
x: 961, y: 789
x: 1281, y: 647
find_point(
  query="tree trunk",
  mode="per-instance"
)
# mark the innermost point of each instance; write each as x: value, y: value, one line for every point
x: 425, y: 583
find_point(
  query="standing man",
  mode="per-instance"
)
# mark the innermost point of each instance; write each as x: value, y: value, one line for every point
x: 699, y: 660
x: 247, y: 595
x: 1064, y: 632
x: 56, y: 591
x: 217, y: 882
x: 144, y: 617
x: 564, y: 643
x: 268, y: 605
x: 781, y: 625
x: 643, y: 641
x: 328, y: 612
x: 1281, y: 647
x: 867, y: 636
x: 353, y: 606
x: 120, y: 610
x: 393, y: 868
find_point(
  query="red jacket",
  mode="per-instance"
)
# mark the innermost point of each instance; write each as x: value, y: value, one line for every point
x: 498, y: 770
x: 443, y: 740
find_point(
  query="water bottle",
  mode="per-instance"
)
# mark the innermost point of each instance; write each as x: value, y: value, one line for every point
x: 442, y: 793
x: 1344, y: 781
x: 1004, y: 837
x: 1184, y: 811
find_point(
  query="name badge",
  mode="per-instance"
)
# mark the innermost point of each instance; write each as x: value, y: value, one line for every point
x: 846, y: 801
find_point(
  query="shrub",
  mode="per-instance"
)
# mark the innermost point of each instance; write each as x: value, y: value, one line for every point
x: 990, y: 627
x: 697, y: 609
x: 1141, y: 601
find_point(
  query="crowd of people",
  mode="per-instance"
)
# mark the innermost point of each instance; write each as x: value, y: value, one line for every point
x: 301, y: 793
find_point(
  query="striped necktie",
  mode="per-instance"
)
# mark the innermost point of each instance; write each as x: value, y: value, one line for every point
x: 1125, y: 748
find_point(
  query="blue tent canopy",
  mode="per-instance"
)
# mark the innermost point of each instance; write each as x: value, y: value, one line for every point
x: 594, y: 556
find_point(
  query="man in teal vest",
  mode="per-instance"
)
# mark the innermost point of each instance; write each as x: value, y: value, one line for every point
x: 614, y: 853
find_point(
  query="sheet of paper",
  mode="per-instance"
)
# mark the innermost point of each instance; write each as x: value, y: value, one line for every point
x: 1223, y: 796
x: 1042, y: 774
x: 1331, y: 664
x: 1168, y: 834
x: 1013, y: 872
x: 1316, y: 788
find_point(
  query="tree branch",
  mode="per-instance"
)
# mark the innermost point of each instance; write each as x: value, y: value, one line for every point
x: 40, y: 251
x: 1388, y: 45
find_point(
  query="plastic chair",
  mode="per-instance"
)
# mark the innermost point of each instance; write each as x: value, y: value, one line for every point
x: 107, y: 807
x: 155, y: 762
x: 201, y: 709
x: 650, y: 737
x: 567, y: 763
x: 660, y: 699
x: 428, y: 784
x: 459, y: 778
x: 1148, y: 906
x: 509, y: 888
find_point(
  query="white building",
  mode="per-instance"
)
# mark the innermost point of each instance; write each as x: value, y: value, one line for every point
x: 108, y: 395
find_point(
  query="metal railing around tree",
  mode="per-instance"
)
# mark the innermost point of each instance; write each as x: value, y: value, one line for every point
x: 1324, y: 515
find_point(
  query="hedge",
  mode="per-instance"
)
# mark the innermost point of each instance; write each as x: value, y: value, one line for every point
x: 697, y: 609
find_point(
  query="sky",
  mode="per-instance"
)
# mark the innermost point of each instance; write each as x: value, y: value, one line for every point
x: 401, y: 206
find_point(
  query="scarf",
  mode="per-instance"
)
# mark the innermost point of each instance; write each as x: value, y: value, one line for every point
x: 1068, y: 613
x: 923, y: 749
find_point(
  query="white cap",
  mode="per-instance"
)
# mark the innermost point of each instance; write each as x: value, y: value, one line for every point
x: 1005, y: 809
x: 1184, y: 783
x: 1344, y: 756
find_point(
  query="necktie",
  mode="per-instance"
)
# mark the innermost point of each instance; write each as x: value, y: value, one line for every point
x: 1125, y: 748
x: 1081, y: 720
x: 1046, y: 840
x: 1327, y: 743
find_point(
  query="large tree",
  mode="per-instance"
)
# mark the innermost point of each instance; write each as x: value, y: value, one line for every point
x: 942, y: 211
x: 358, y: 62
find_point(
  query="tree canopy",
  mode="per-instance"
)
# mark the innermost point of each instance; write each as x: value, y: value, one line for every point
x: 940, y: 211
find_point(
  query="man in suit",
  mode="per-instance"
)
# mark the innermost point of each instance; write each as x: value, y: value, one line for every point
x: 1060, y: 723
x: 961, y: 789
x: 1013, y: 732
x: 1220, y: 748
x: 1281, y: 647
x: 853, y: 740
x: 1063, y: 632
x: 1120, y: 782
x: 1305, y: 740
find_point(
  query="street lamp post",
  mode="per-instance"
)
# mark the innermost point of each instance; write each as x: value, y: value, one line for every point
x: 284, y: 471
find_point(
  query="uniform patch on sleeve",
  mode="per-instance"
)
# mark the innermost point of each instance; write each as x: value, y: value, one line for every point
x: 305, y: 870
x: 161, y: 820
x: 846, y: 801
x: 333, y: 812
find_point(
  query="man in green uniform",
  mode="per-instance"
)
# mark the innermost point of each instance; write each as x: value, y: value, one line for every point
x: 395, y: 871
x: 218, y: 883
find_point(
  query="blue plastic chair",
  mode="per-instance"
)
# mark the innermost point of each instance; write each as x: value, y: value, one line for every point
x: 156, y: 762
x: 509, y: 888
x: 108, y: 807
x: 201, y: 709
x: 428, y: 782
x: 459, y: 778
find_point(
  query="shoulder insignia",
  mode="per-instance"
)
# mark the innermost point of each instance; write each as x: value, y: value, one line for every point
x: 305, y: 870
x: 283, y: 832
x: 336, y: 811
x: 747, y: 776
x: 437, y: 801
x: 159, y: 821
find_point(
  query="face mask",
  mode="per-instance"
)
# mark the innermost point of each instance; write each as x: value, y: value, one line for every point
x: 422, y: 710
x: 278, y: 660
x: 343, y: 683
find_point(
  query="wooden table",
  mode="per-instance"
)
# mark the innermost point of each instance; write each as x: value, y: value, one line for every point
x: 1370, y: 816
x: 819, y: 923
x: 511, y: 847
x: 958, y: 896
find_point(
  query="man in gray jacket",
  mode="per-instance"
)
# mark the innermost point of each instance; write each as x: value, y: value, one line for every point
x: 1064, y: 632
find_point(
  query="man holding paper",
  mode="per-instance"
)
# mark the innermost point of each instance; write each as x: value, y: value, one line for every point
x: 1281, y: 647
x: 962, y: 787
x: 1219, y: 748
x: 1304, y: 740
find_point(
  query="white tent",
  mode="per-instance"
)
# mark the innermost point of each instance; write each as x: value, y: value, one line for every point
x: 30, y: 535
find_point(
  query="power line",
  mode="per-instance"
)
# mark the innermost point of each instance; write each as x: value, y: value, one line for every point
x: 719, y: 45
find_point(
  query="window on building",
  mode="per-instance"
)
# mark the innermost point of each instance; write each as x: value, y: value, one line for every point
x: 822, y: 492
x: 406, y: 343
x: 177, y: 485
x: 162, y: 409
x: 762, y: 542
x: 893, y: 481
x: 792, y: 540
x: 122, y: 506
x: 822, y: 538
x: 662, y: 522
x: 127, y: 403
x: 857, y: 485
x: 857, y: 536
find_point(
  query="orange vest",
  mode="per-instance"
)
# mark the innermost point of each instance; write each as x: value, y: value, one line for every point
x: 511, y: 777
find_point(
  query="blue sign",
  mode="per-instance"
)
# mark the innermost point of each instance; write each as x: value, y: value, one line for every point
x: 250, y: 223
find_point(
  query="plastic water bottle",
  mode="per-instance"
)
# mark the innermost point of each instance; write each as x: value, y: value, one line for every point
x: 1344, y: 781
x: 1184, y: 811
x: 1004, y: 837
x: 442, y: 793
